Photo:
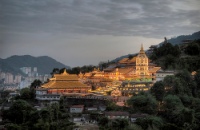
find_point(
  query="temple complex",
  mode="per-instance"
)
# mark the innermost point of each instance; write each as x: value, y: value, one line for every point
x: 127, y: 76
x: 136, y: 73
x: 137, y: 68
x: 61, y: 84
x: 65, y: 83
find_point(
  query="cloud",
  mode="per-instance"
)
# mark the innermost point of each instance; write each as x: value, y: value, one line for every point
x: 64, y: 23
x: 103, y: 17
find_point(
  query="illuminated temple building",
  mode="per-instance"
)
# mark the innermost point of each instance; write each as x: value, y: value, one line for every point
x: 137, y: 68
x: 61, y: 84
x: 135, y: 73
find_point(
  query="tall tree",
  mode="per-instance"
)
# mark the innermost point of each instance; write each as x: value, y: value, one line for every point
x: 158, y: 90
x: 36, y: 83
x: 19, y: 112
x: 143, y: 102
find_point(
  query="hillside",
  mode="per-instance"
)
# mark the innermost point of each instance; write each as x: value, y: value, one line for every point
x: 44, y: 64
x: 179, y: 39
x: 173, y: 41
x: 178, y: 57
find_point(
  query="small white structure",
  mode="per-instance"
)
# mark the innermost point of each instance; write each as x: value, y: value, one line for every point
x: 133, y: 117
x: 91, y: 108
x: 160, y: 75
x: 43, y: 95
x: 76, y: 109
x: 12, y: 95
x: 117, y: 114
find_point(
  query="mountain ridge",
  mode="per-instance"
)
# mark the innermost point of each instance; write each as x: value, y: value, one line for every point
x: 174, y: 41
x: 44, y: 64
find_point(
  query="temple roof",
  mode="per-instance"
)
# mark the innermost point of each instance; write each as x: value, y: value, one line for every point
x: 127, y: 60
x: 64, y: 80
x: 154, y: 69
x: 65, y: 76
x: 123, y: 70
x: 63, y: 85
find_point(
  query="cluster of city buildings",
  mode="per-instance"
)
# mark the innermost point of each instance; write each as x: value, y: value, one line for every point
x: 9, y: 81
x: 8, y: 78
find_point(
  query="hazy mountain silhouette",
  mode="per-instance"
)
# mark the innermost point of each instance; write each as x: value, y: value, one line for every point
x: 44, y: 64
x: 173, y: 41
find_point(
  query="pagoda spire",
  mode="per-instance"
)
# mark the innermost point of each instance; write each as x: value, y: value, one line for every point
x: 142, y: 49
x: 65, y: 72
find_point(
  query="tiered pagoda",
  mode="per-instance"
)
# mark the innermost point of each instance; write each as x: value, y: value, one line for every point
x: 135, y: 68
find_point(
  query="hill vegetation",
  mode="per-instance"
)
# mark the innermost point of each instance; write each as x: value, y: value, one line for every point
x: 44, y: 64
x: 179, y: 39
x: 174, y: 41
x: 179, y: 57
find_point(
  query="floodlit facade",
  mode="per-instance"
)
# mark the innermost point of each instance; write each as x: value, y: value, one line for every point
x: 136, y: 73
x: 136, y: 68
x: 61, y: 84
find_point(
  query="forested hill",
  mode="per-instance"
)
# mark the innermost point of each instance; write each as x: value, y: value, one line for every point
x: 179, y: 39
x: 179, y: 57
x: 173, y: 41
x: 44, y: 64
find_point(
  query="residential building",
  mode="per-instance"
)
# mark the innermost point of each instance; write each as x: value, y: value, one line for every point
x: 91, y: 108
x: 9, y: 78
x: 18, y: 78
x: 161, y: 74
x: 133, y: 117
x: 43, y: 95
x: 76, y: 109
x: 117, y: 114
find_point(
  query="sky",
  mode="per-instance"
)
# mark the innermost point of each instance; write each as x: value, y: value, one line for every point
x: 86, y: 32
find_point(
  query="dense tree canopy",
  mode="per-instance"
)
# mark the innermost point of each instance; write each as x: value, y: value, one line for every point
x: 144, y: 102
x: 158, y: 90
x: 183, y: 56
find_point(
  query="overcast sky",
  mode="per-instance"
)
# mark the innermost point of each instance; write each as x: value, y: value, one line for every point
x: 83, y: 32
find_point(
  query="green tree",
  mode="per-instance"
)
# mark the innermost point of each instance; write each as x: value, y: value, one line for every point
x: 133, y: 127
x: 172, y: 102
x: 36, y: 83
x: 11, y: 126
x: 158, y: 90
x: 41, y: 125
x: 143, y: 102
x: 45, y: 115
x: 34, y: 117
x: 173, y: 85
x: 19, y: 112
x: 25, y: 93
x: 103, y: 121
x: 150, y: 122
x: 192, y: 49
x: 186, y: 100
x: 55, y: 71
x: 197, y: 81
x: 119, y: 124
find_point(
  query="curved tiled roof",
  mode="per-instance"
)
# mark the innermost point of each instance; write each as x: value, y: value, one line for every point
x: 64, y: 81
x: 63, y: 85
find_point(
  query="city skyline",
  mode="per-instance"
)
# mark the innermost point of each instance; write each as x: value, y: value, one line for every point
x: 79, y: 33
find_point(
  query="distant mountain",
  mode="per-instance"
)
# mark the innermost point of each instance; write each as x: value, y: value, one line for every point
x: 44, y: 64
x: 173, y: 41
